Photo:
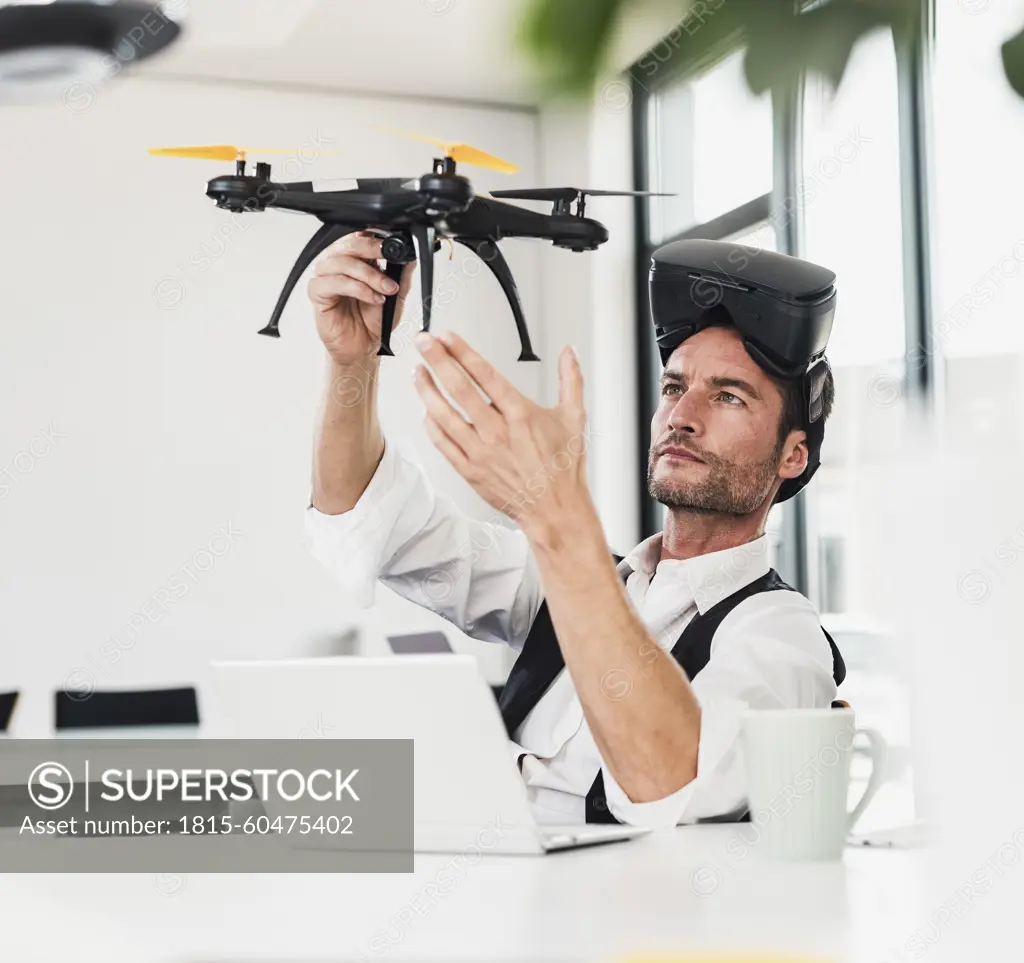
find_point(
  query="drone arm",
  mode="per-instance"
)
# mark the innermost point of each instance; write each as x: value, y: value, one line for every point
x: 324, y: 238
x: 393, y: 269
x: 423, y: 237
x: 491, y: 255
x: 496, y: 220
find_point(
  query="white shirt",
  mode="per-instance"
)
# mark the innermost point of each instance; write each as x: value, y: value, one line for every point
x: 769, y: 652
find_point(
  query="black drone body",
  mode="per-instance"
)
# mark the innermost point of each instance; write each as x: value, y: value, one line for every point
x: 414, y: 215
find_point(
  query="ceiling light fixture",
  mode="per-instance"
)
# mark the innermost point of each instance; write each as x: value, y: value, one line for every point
x: 48, y: 45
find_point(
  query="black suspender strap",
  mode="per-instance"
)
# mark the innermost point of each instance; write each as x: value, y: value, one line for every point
x: 541, y: 660
x: 693, y: 650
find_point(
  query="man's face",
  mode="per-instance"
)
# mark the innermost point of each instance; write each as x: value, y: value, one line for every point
x: 715, y: 436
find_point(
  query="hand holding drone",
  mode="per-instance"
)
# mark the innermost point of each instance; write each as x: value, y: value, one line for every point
x: 347, y: 294
x: 413, y: 215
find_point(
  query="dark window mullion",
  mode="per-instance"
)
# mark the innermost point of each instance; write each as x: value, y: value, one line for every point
x: 739, y: 219
x: 645, y: 343
x: 796, y: 550
x: 913, y: 47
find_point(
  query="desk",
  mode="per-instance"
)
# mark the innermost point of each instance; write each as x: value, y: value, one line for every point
x: 690, y: 888
x: 679, y: 889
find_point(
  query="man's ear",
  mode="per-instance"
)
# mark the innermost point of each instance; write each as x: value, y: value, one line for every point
x: 794, y: 455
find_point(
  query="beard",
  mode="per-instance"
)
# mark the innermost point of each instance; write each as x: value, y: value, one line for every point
x: 728, y: 488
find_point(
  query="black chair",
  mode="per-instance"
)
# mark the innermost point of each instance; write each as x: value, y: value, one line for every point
x: 75, y: 709
x: 7, y: 702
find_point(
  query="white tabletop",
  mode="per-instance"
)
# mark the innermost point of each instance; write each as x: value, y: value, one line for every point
x: 678, y: 890
x: 686, y: 889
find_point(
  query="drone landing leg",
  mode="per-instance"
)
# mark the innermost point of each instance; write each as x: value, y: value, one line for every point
x: 423, y: 236
x: 491, y: 255
x: 394, y: 271
x: 324, y: 238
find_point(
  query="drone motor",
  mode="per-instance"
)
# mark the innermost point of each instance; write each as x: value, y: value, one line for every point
x: 241, y: 193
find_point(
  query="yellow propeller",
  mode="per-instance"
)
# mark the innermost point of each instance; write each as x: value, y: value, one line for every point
x: 223, y: 152
x: 461, y: 153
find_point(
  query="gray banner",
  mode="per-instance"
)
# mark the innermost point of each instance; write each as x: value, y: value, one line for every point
x: 206, y: 805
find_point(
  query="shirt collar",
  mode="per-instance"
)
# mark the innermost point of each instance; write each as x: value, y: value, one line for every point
x: 711, y: 577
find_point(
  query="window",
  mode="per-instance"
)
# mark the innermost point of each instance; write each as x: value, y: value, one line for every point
x: 762, y: 236
x: 842, y: 155
x: 850, y: 190
x: 711, y: 145
x: 979, y: 249
x: 708, y: 141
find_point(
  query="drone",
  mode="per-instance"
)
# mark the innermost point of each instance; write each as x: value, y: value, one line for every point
x: 413, y: 215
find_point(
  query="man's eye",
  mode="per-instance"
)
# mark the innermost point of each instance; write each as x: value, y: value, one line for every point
x: 669, y: 389
x: 729, y: 398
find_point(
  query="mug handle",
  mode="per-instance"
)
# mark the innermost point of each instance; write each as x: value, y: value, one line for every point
x: 877, y: 750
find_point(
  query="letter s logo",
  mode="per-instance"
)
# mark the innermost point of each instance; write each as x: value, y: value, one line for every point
x: 55, y: 792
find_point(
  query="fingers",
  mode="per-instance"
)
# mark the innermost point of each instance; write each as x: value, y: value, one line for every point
x: 358, y: 244
x: 324, y: 292
x: 449, y: 373
x: 442, y: 414
x: 444, y: 444
x: 346, y: 265
x: 570, y: 379
x: 506, y: 398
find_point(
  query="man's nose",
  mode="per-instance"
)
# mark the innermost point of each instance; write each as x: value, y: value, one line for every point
x: 687, y: 414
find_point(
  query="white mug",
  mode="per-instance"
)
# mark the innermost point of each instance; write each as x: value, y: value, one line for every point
x: 798, y: 777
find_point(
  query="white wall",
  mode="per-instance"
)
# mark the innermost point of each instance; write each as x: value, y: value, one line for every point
x: 175, y: 421
x: 589, y: 299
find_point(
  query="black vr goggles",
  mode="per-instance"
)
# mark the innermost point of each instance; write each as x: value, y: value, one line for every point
x: 782, y: 306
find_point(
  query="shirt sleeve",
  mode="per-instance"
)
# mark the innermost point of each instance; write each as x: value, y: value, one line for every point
x: 769, y: 653
x: 480, y: 576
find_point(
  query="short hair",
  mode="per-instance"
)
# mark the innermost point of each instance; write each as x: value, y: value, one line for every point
x: 794, y: 408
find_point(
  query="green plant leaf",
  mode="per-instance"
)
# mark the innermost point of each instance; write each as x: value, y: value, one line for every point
x: 783, y: 44
x: 570, y: 39
x: 1013, y: 62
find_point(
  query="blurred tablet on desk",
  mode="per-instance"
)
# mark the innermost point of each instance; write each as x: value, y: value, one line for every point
x: 419, y: 643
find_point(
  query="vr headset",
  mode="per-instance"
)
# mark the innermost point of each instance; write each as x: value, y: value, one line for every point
x: 782, y: 306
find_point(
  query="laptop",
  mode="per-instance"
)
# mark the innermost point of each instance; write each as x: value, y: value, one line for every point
x: 465, y: 776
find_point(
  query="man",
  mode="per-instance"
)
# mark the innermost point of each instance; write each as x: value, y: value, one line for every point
x: 620, y: 733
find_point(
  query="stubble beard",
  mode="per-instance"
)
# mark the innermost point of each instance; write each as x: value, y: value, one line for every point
x: 726, y: 489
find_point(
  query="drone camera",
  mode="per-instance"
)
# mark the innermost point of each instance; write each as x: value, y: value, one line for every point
x: 398, y: 249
